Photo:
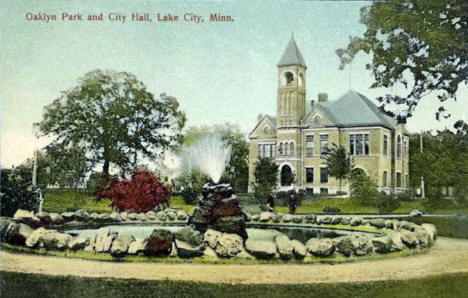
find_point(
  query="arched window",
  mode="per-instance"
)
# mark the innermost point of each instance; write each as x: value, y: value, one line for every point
x: 317, y: 119
x: 281, y: 149
x: 398, y: 146
x: 266, y: 130
x: 289, y: 77
x: 291, y: 148
x: 286, y: 148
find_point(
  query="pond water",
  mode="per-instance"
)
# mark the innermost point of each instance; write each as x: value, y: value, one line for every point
x: 300, y: 233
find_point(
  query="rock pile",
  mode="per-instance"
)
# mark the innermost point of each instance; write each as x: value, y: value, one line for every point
x: 219, y: 210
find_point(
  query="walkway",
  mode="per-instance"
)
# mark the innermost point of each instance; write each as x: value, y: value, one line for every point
x: 447, y: 256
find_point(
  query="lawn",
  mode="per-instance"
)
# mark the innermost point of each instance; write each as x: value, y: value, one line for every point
x: 38, y: 285
x: 62, y: 200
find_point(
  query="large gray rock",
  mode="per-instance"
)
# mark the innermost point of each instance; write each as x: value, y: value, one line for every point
x: 104, y: 239
x: 424, y: 239
x: 355, y: 221
x: 151, y: 215
x: 132, y: 216
x: 255, y: 217
x: 285, y: 247
x: 124, y: 216
x: 55, y: 240
x: 261, y: 249
x: 171, y: 215
x: 382, y: 244
x: 137, y: 246
x: 45, y: 218
x: 320, y: 247
x: 115, y: 216
x: 431, y: 230
x: 142, y: 217
x: 310, y: 218
x: 34, y: 238
x: 228, y: 245
x: 344, y: 245
x: 377, y: 222
x: 182, y: 215
x: 276, y: 218
x: 287, y: 218
x: 4, y: 222
x: 265, y: 216
x: 397, y: 244
x: 409, y: 238
x: 159, y: 243
x: 410, y: 226
x: 299, y: 250
x: 335, y: 220
x: 362, y: 245
x: 211, y: 237
x: 81, y: 215
x: 17, y: 233
x: 190, y: 236
x: 297, y: 218
x: 78, y: 243
x: 68, y: 216
x: 120, y: 245
x: 209, y: 253
x: 27, y: 217
x: 161, y: 215
x: 94, y: 216
x: 104, y: 217
x: 185, y: 250
x: 345, y: 220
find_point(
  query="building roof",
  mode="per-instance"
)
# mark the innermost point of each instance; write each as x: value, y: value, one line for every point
x: 354, y: 109
x: 292, y: 55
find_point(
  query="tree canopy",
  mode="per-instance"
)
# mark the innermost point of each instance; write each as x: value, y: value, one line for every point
x: 339, y: 163
x: 421, y: 45
x: 114, y: 118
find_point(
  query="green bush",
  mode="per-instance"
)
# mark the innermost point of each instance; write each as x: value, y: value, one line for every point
x: 363, y: 189
x: 407, y: 195
x: 97, y: 182
x: 387, y: 203
x: 331, y: 210
x: 192, y: 186
x: 16, y: 193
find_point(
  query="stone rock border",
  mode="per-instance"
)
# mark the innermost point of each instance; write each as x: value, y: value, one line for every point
x: 28, y: 229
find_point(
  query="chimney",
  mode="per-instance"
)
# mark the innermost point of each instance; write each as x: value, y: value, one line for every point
x: 259, y: 117
x: 322, y: 97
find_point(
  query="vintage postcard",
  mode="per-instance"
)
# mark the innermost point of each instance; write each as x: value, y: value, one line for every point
x: 234, y: 148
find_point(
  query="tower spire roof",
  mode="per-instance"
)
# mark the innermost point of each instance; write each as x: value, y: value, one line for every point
x: 292, y: 55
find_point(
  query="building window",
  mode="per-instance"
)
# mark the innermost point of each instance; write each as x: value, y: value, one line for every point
x: 286, y: 148
x: 385, y: 145
x: 405, y: 148
x: 281, y: 149
x: 310, y: 145
x: 291, y: 148
x: 317, y: 119
x: 266, y: 130
x: 406, y: 181
x: 384, y: 179
x: 323, y: 144
x: 273, y: 150
x: 266, y: 150
x: 324, y: 191
x: 398, y: 179
x: 359, y: 144
x: 398, y: 146
x: 309, y: 175
x: 323, y: 175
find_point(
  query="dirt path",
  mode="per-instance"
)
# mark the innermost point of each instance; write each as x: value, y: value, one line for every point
x: 447, y: 256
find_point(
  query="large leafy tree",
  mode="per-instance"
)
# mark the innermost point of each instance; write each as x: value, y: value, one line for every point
x: 339, y: 163
x: 43, y: 174
x: 419, y: 44
x: 266, y: 177
x: 115, y: 118
x: 443, y: 162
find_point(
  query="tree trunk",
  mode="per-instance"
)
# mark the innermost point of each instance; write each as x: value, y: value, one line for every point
x: 339, y: 185
x: 105, y: 168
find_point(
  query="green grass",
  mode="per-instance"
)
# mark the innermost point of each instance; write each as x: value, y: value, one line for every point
x: 178, y: 202
x: 453, y: 226
x: 62, y: 200
x: 38, y: 285
x: 351, y: 206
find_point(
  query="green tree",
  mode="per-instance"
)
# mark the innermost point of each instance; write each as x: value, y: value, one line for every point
x: 16, y: 193
x: 363, y: 189
x: 43, y: 175
x: 339, y: 163
x: 115, y: 117
x: 421, y: 45
x: 266, y: 177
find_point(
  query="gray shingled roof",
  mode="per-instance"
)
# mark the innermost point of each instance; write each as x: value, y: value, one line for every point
x: 354, y: 109
x: 292, y: 55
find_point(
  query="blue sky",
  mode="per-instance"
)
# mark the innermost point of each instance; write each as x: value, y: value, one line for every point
x: 219, y: 72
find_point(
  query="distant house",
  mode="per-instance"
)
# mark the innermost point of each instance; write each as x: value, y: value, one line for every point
x: 299, y: 134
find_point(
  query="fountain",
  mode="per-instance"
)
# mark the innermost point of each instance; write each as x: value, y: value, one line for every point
x: 219, y: 209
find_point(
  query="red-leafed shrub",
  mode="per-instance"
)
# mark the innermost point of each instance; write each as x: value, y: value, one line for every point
x: 143, y: 192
